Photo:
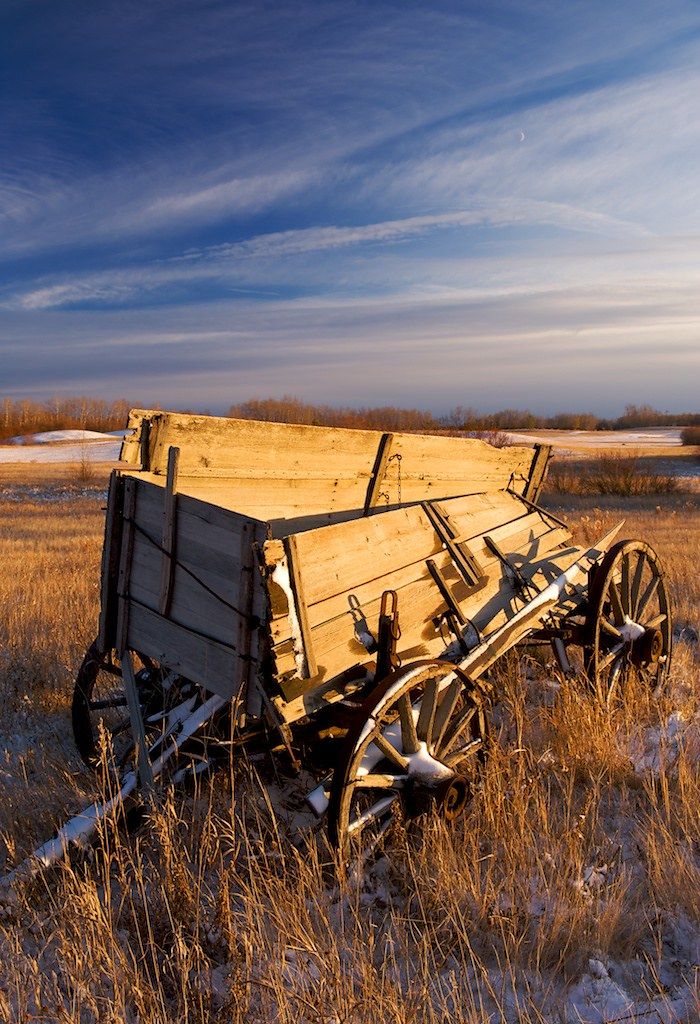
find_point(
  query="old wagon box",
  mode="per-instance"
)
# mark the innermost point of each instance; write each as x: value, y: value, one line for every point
x: 231, y: 544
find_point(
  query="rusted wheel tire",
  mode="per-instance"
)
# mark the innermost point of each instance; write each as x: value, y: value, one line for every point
x: 628, y: 622
x: 419, y: 742
x: 99, y: 704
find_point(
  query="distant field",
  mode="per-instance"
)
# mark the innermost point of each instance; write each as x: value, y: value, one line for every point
x: 566, y: 440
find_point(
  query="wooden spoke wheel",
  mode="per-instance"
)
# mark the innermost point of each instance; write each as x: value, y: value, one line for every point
x: 99, y: 703
x: 629, y: 621
x: 419, y: 742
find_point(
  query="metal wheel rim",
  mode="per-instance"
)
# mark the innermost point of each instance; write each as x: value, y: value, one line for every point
x: 449, y: 724
x: 629, y: 593
x: 99, y: 682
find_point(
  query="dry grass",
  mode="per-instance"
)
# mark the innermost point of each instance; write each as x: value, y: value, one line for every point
x: 616, y: 473
x: 690, y: 436
x: 572, y: 862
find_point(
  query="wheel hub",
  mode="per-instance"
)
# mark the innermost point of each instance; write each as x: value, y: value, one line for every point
x: 449, y: 797
x: 453, y: 799
x: 648, y: 648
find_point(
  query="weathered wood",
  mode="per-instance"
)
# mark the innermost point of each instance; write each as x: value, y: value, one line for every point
x: 290, y: 470
x: 295, y: 578
x: 460, y: 554
x: 110, y: 564
x: 192, y: 605
x: 252, y: 602
x: 145, y: 771
x: 125, y: 563
x: 336, y: 642
x: 538, y: 470
x: 375, y: 484
x: 215, y: 666
x: 169, y: 533
x: 338, y: 559
x: 145, y: 445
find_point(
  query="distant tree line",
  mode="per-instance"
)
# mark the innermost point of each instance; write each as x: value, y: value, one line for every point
x: 22, y: 416
x: 26, y: 417
x: 291, y: 410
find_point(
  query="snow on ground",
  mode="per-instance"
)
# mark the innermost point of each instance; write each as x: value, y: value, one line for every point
x: 63, y: 446
x: 573, y: 440
x: 96, y: 450
x: 61, y: 436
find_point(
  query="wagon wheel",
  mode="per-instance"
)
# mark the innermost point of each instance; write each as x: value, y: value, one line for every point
x: 419, y: 742
x: 99, y: 701
x: 628, y: 621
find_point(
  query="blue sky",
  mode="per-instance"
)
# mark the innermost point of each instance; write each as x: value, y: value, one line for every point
x: 357, y: 203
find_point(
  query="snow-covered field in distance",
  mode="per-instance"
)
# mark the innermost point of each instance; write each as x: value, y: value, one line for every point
x: 570, y: 440
x: 63, y: 446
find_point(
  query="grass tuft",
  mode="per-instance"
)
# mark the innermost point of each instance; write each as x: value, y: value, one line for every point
x: 616, y: 473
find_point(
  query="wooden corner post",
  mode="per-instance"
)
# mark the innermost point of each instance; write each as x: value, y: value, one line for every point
x: 169, y: 534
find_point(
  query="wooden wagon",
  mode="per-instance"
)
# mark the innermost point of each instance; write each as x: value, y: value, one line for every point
x: 341, y: 594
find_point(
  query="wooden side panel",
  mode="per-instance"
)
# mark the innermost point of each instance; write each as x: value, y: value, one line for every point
x: 284, y: 471
x: 206, y: 631
x: 346, y: 568
x: 427, y: 468
x: 214, y: 666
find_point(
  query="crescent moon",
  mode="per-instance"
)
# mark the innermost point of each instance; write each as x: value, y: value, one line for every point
x: 522, y: 136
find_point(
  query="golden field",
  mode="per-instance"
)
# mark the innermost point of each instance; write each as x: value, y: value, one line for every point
x: 569, y: 892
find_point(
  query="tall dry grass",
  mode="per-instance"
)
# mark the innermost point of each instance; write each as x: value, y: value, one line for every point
x: 617, y: 473
x: 572, y: 857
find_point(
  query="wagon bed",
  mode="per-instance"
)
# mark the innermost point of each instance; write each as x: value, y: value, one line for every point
x: 190, y: 561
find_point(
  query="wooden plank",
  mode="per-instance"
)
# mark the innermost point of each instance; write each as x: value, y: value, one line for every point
x: 145, y: 445
x: 125, y: 561
x: 151, y: 492
x: 451, y: 465
x: 331, y: 466
x: 169, y: 533
x: 191, y: 605
x: 208, y: 544
x: 138, y: 728
x: 110, y: 564
x: 256, y: 698
x: 297, y: 585
x: 473, y: 515
x: 213, y: 665
x: 459, y: 551
x: 275, y: 498
x: 248, y: 639
x: 538, y: 469
x: 347, y: 555
x: 335, y: 640
x: 375, y: 484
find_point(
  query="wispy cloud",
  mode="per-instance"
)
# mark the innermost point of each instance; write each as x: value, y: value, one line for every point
x: 367, y: 193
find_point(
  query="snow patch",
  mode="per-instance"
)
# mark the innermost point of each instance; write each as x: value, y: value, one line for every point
x: 61, y: 436
x: 659, y: 746
x: 280, y: 576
